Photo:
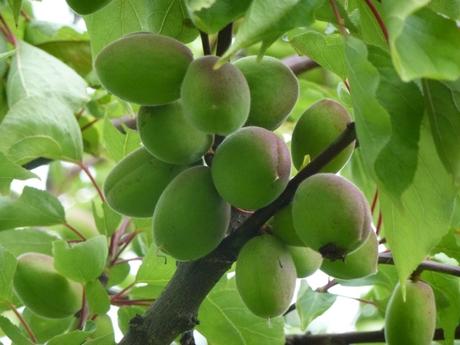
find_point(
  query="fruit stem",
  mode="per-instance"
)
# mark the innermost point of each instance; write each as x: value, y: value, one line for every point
x: 75, y: 231
x: 378, y: 18
x: 24, y: 323
x: 85, y: 169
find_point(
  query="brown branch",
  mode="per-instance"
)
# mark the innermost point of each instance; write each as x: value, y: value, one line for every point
x: 350, y: 338
x: 24, y: 323
x: 205, y: 43
x: 175, y: 311
x: 300, y: 64
x: 224, y: 39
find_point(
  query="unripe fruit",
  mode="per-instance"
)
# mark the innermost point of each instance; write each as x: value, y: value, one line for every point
x: 360, y: 263
x: 265, y: 276
x: 306, y: 260
x: 274, y: 90
x: 251, y: 168
x: 318, y: 127
x: 134, y: 185
x: 215, y: 100
x: 283, y: 227
x: 169, y: 137
x: 144, y: 68
x: 190, y: 219
x: 43, y: 290
x: 87, y: 6
x: 330, y: 215
x: 411, y: 322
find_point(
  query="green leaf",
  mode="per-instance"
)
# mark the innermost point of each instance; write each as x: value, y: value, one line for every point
x: 118, y: 18
x: 447, y: 294
x: 36, y: 73
x: 33, y: 208
x: 212, y: 16
x: 118, y: 273
x: 82, y: 262
x: 156, y: 269
x: 444, y: 114
x: 15, y: 6
x: 71, y: 338
x: 18, y: 242
x: 98, y: 299
x: 8, y: 268
x: 118, y: 144
x: 44, y: 328
x: 411, y: 179
x: 106, y: 219
x: 449, y: 8
x: 40, y: 127
x: 327, y: 50
x: 423, y: 43
x: 370, y: 30
x: 449, y: 245
x: 170, y: 18
x: 13, y: 332
x: 225, y: 320
x: 311, y: 304
x: 10, y: 171
x: 103, y: 340
x: 266, y: 21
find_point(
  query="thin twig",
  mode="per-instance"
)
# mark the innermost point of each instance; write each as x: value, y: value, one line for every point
x: 224, y: 39
x: 378, y: 18
x: 374, y: 201
x: 24, y: 324
x: 205, y: 43
x: 84, y: 312
x: 75, y: 231
x: 89, y: 125
x: 85, y: 169
x: 338, y: 17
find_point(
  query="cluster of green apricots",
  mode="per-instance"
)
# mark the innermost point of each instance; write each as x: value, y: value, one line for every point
x: 185, y: 104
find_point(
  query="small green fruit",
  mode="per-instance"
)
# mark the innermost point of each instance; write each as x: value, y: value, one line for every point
x: 191, y: 218
x: 87, y: 6
x: 411, y: 322
x: 358, y: 264
x: 251, y: 168
x: 169, y: 137
x: 265, y: 276
x: 283, y: 227
x: 306, y: 260
x: 274, y: 90
x: 215, y: 100
x: 134, y: 185
x: 330, y: 215
x: 43, y: 290
x: 144, y: 68
x: 320, y: 126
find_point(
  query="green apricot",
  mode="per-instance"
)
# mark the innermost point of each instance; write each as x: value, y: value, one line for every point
x: 283, y: 227
x: 191, y: 218
x: 306, y: 260
x: 265, y: 276
x: 274, y: 90
x: 134, y: 185
x: 215, y: 100
x: 413, y: 321
x: 330, y: 215
x: 144, y: 68
x: 87, y: 6
x: 169, y: 137
x: 318, y: 127
x: 251, y: 168
x: 43, y: 290
x: 360, y: 263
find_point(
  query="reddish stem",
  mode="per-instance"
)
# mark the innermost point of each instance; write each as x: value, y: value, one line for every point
x: 89, y: 124
x: 379, y: 19
x: 374, y: 201
x: 75, y: 231
x: 83, y: 311
x: 85, y: 169
x: 7, y: 32
x: 130, y: 238
x: 24, y: 324
x: 115, y: 238
x: 122, y: 292
x: 338, y: 17
x: 379, y: 223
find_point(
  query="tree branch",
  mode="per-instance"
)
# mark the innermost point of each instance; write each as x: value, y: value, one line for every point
x: 350, y: 338
x: 175, y: 311
x: 224, y: 39
x: 300, y: 64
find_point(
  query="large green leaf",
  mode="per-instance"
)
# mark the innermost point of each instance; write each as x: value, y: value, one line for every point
x: 15, y: 6
x: 8, y: 268
x: 118, y: 18
x: 156, y: 269
x: 10, y: 171
x: 82, y: 262
x: 76, y: 337
x: 106, y: 219
x: 170, y: 18
x: 21, y: 241
x: 423, y: 43
x: 33, y: 208
x: 225, y: 320
x: 311, y: 304
x: 369, y: 29
x: 444, y: 113
x: 265, y: 21
x: 98, y: 298
x: 36, y: 73
x: 449, y: 245
x: 417, y: 194
x: 450, y: 8
x: 40, y: 127
x: 212, y: 16
x: 13, y: 332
